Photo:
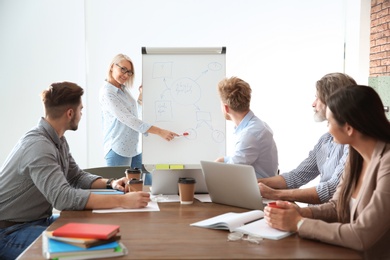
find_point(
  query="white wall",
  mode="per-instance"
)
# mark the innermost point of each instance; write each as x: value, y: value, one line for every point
x: 41, y: 42
x: 280, y: 47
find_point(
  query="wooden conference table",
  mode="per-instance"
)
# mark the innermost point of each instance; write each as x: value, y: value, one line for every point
x: 167, y: 234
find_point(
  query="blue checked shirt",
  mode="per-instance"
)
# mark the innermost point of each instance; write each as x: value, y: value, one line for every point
x: 327, y: 159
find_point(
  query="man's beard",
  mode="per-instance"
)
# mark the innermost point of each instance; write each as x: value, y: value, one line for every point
x: 319, y: 116
x: 73, y: 125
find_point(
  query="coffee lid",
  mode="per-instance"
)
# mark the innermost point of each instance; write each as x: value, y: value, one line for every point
x: 136, y: 170
x: 135, y: 181
x: 187, y: 180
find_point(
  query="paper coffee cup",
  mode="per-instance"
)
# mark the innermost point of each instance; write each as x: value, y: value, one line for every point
x: 133, y: 173
x: 135, y: 185
x: 186, y: 190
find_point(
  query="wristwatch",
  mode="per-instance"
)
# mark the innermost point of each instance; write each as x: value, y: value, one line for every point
x: 108, y: 183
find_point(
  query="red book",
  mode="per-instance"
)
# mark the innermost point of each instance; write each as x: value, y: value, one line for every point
x: 86, y: 230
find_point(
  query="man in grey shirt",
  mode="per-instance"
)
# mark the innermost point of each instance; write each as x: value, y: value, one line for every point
x: 327, y: 159
x: 40, y: 173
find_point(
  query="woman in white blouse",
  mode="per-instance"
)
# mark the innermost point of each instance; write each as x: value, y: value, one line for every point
x: 121, y: 116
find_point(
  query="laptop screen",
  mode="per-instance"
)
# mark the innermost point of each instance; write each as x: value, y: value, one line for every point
x: 166, y: 181
x: 232, y: 184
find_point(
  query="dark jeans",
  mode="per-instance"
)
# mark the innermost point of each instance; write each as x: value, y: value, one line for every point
x: 15, y: 239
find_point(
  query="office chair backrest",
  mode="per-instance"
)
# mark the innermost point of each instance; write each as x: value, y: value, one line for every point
x: 109, y: 171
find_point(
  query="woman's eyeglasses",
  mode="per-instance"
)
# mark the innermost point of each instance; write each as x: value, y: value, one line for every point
x: 235, y: 236
x: 124, y: 70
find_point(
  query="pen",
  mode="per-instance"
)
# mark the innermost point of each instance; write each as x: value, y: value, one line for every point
x: 273, y: 205
x: 184, y: 134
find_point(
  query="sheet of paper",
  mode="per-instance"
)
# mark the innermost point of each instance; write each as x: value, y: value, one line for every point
x: 152, y: 206
x: 102, y: 190
x: 165, y: 198
x: 203, y: 197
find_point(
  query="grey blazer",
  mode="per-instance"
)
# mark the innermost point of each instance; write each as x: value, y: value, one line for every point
x: 369, y: 228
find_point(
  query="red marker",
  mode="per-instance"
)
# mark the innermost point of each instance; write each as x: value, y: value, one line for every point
x: 184, y: 134
x: 273, y: 205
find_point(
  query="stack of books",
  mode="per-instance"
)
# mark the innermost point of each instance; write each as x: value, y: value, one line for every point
x: 82, y: 241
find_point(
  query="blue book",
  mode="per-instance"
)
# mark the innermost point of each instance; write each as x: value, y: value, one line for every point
x: 115, y: 192
x: 54, y: 249
x: 105, y: 191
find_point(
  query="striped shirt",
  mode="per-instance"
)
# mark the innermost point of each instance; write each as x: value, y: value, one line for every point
x: 327, y: 159
x: 41, y: 173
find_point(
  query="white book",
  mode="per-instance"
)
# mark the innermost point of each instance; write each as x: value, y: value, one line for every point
x: 261, y: 229
x: 250, y: 223
x: 230, y: 221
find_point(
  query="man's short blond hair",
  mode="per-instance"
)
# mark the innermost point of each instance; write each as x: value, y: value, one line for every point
x: 236, y: 93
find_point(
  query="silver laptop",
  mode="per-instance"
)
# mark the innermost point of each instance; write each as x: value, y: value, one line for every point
x: 232, y: 184
x: 165, y: 181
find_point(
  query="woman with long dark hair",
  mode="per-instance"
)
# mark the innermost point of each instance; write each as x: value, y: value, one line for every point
x: 357, y: 215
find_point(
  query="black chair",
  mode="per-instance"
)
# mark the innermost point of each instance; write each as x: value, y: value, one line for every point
x: 115, y: 172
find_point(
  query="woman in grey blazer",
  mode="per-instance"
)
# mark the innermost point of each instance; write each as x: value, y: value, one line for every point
x: 357, y: 216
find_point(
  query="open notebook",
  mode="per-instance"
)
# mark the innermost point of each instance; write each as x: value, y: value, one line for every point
x: 251, y: 223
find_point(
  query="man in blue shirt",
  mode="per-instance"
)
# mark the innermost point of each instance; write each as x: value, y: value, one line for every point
x: 327, y: 159
x: 254, y: 144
